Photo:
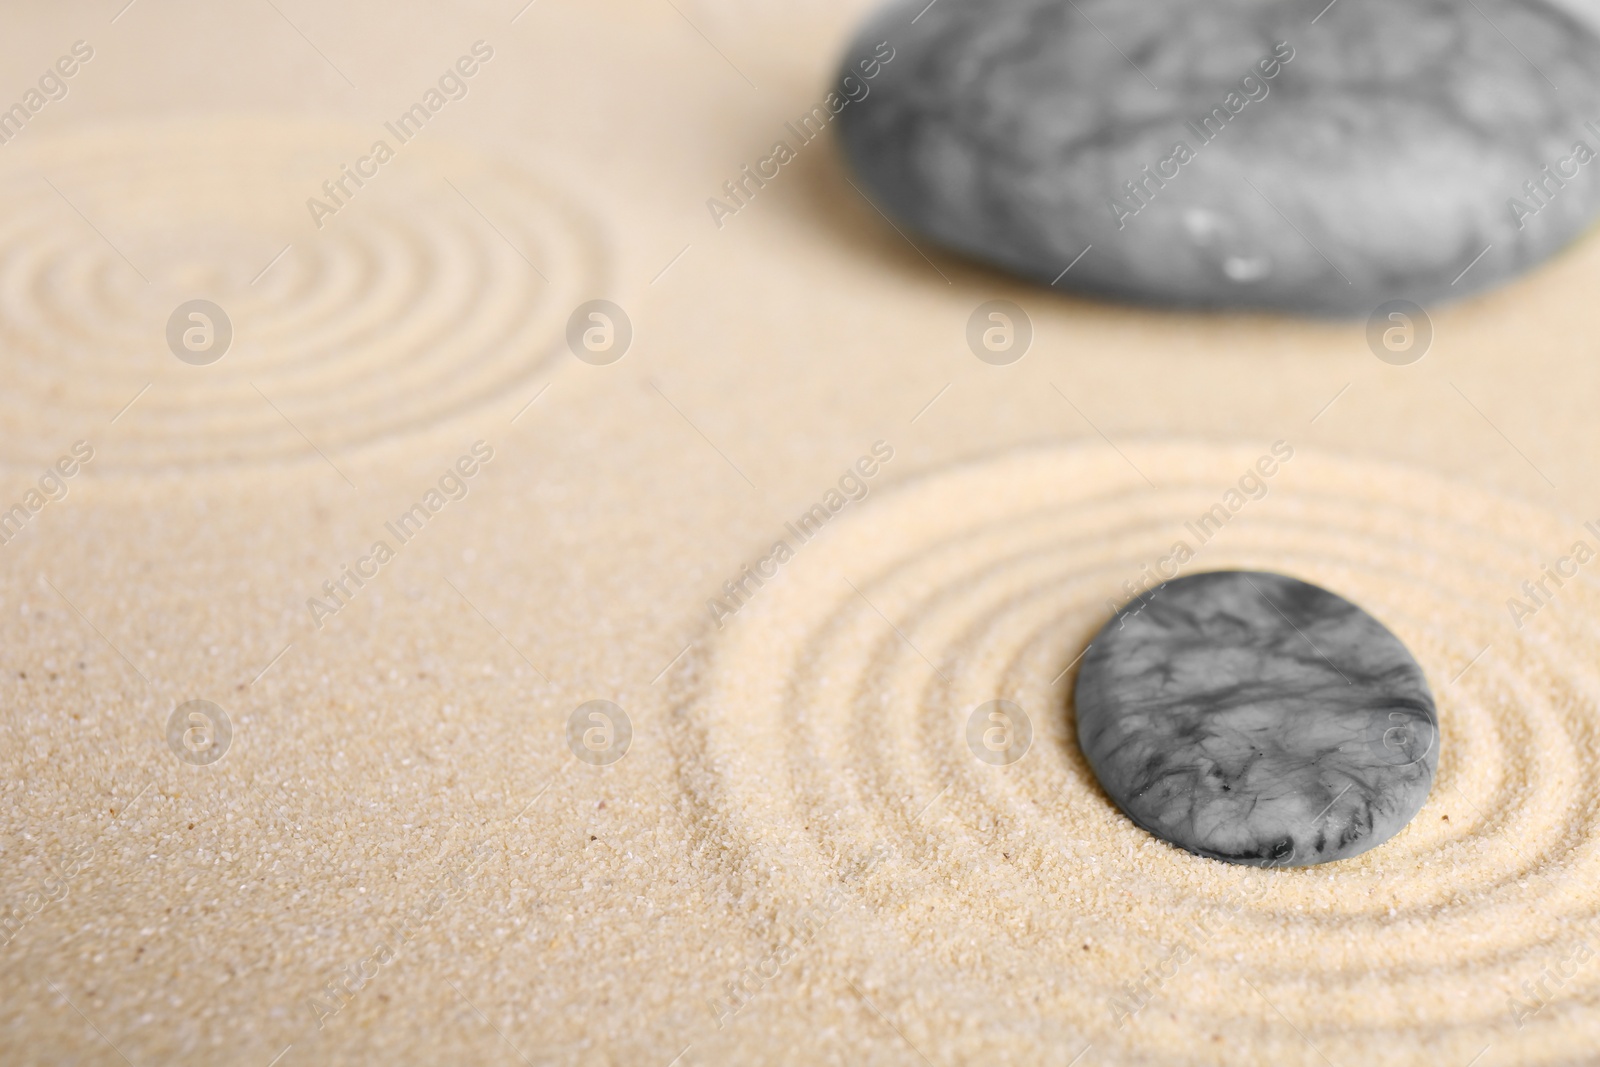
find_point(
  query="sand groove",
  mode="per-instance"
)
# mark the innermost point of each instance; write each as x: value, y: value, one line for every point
x: 815, y: 736
x: 441, y: 283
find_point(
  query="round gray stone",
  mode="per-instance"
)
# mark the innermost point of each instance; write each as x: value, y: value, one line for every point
x: 1257, y: 719
x: 1331, y: 162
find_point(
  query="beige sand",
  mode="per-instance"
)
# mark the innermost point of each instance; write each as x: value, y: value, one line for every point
x: 798, y: 860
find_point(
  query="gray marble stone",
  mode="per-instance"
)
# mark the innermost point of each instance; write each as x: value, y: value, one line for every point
x: 1257, y: 719
x: 1231, y: 153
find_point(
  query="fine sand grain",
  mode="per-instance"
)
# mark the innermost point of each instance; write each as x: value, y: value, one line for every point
x: 799, y: 859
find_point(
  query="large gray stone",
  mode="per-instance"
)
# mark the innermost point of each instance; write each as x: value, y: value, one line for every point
x: 1388, y: 148
x: 1257, y: 719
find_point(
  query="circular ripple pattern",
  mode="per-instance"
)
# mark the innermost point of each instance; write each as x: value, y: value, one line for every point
x: 441, y: 283
x: 824, y: 747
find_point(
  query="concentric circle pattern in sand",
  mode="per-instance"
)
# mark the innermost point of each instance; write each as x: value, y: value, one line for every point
x: 441, y: 283
x: 824, y: 734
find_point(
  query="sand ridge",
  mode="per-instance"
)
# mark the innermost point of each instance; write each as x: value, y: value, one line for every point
x: 866, y: 724
x: 799, y: 858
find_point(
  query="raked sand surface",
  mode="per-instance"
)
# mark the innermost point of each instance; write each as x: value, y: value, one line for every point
x: 401, y: 860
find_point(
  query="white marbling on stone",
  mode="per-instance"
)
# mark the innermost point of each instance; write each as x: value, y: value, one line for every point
x: 1378, y: 162
x: 1257, y: 719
